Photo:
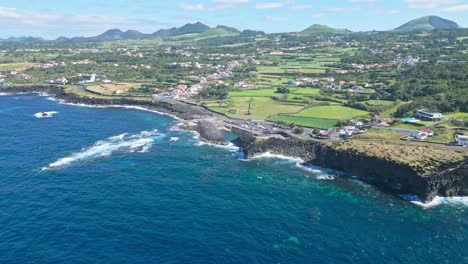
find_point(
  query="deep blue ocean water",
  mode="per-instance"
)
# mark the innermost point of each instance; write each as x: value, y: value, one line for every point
x: 111, y: 185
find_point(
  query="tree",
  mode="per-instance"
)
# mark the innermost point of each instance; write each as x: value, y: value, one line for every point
x: 299, y: 130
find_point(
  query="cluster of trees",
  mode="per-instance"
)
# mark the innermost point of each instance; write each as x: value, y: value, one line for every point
x: 436, y: 87
x: 220, y: 92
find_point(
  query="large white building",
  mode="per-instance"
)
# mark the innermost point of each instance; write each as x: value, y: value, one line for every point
x: 427, y: 115
x: 462, y: 140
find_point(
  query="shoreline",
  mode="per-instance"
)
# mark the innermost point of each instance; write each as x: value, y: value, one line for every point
x: 399, y: 179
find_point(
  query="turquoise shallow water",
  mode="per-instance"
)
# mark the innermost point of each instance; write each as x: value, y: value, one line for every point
x: 112, y: 185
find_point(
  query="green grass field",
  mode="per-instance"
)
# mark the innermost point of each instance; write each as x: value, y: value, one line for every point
x: 442, y: 135
x: 332, y: 112
x: 270, y: 92
x: 254, y: 93
x: 13, y: 66
x: 306, y: 121
x: 414, y: 126
x: 262, y: 107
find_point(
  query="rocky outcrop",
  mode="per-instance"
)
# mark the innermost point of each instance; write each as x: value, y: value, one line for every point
x: 448, y: 177
x: 210, y: 132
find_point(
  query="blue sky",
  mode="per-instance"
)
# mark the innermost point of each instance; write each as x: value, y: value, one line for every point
x: 53, y: 18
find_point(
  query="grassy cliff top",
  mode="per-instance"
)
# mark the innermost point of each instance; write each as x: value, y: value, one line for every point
x: 423, y: 159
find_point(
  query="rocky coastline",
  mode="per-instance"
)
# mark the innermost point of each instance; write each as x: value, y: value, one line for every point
x: 191, y: 117
x: 447, y: 176
x: 178, y: 109
x: 420, y: 171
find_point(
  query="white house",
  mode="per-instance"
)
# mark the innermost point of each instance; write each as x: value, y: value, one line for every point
x: 462, y: 140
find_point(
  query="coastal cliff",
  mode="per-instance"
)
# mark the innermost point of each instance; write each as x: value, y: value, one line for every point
x: 422, y: 171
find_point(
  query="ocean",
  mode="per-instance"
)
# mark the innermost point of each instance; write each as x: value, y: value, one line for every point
x: 115, y: 185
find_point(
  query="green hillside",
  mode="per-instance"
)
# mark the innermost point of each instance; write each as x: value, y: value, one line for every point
x: 318, y: 29
x: 428, y: 23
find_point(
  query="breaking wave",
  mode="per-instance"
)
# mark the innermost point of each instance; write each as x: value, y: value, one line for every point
x: 463, y: 201
x: 130, y: 143
x: 45, y: 114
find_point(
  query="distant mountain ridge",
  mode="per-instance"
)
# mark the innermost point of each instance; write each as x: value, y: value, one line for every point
x: 428, y: 23
x: 117, y: 34
x: 420, y: 24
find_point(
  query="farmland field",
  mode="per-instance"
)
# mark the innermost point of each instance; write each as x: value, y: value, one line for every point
x: 306, y: 121
x: 113, y: 87
x: 332, y: 112
x: 13, y: 66
x: 262, y: 107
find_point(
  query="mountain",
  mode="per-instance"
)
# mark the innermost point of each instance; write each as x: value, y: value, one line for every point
x: 252, y: 33
x: 318, y: 29
x: 115, y: 34
x: 428, y: 23
x: 191, y: 28
x: 23, y: 40
x: 109, y: 35
x: 229, y: 29
x: 220, y: 31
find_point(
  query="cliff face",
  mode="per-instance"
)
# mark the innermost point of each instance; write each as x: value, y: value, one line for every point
x: 178, y: 109
x: 447, y: 179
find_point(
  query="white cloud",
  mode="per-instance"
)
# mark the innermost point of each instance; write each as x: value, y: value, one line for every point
x: 362, y: 1
x: 455, y: 9
x: 226, y: 4
x: 430, y: 4
x: 268, y: 5
x: 14, y: 21
x: 335, y: 9
x: 318, y: 15
x: 301, y: 7
x: 231, y: 2
x: 191, y: 7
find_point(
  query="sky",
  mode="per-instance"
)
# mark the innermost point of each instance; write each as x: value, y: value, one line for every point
x: 54, y: 18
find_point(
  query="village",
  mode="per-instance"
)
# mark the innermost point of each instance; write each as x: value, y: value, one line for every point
x: 322, y: 89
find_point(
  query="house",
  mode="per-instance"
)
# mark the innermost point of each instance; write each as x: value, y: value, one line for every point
x: 428, y: 115
x: 61, y: 80
x: 429, y: 132
x: 276, y: 53
x: 461, y: 139
x: 419, y: 135
x: 355, y: 122
x: 245, y: 84
x: 422, y: 134
x: 379, y: 120
x: 356, y: 89
x: 383, y: 124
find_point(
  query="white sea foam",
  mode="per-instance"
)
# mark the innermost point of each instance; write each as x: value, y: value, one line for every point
x: 5, y: 94
x: 268, y: 155
x: 230, y: 146
x: 45, y: 114
x: 141, y: 142
x: 174, y: 139
x: 463, y: 201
